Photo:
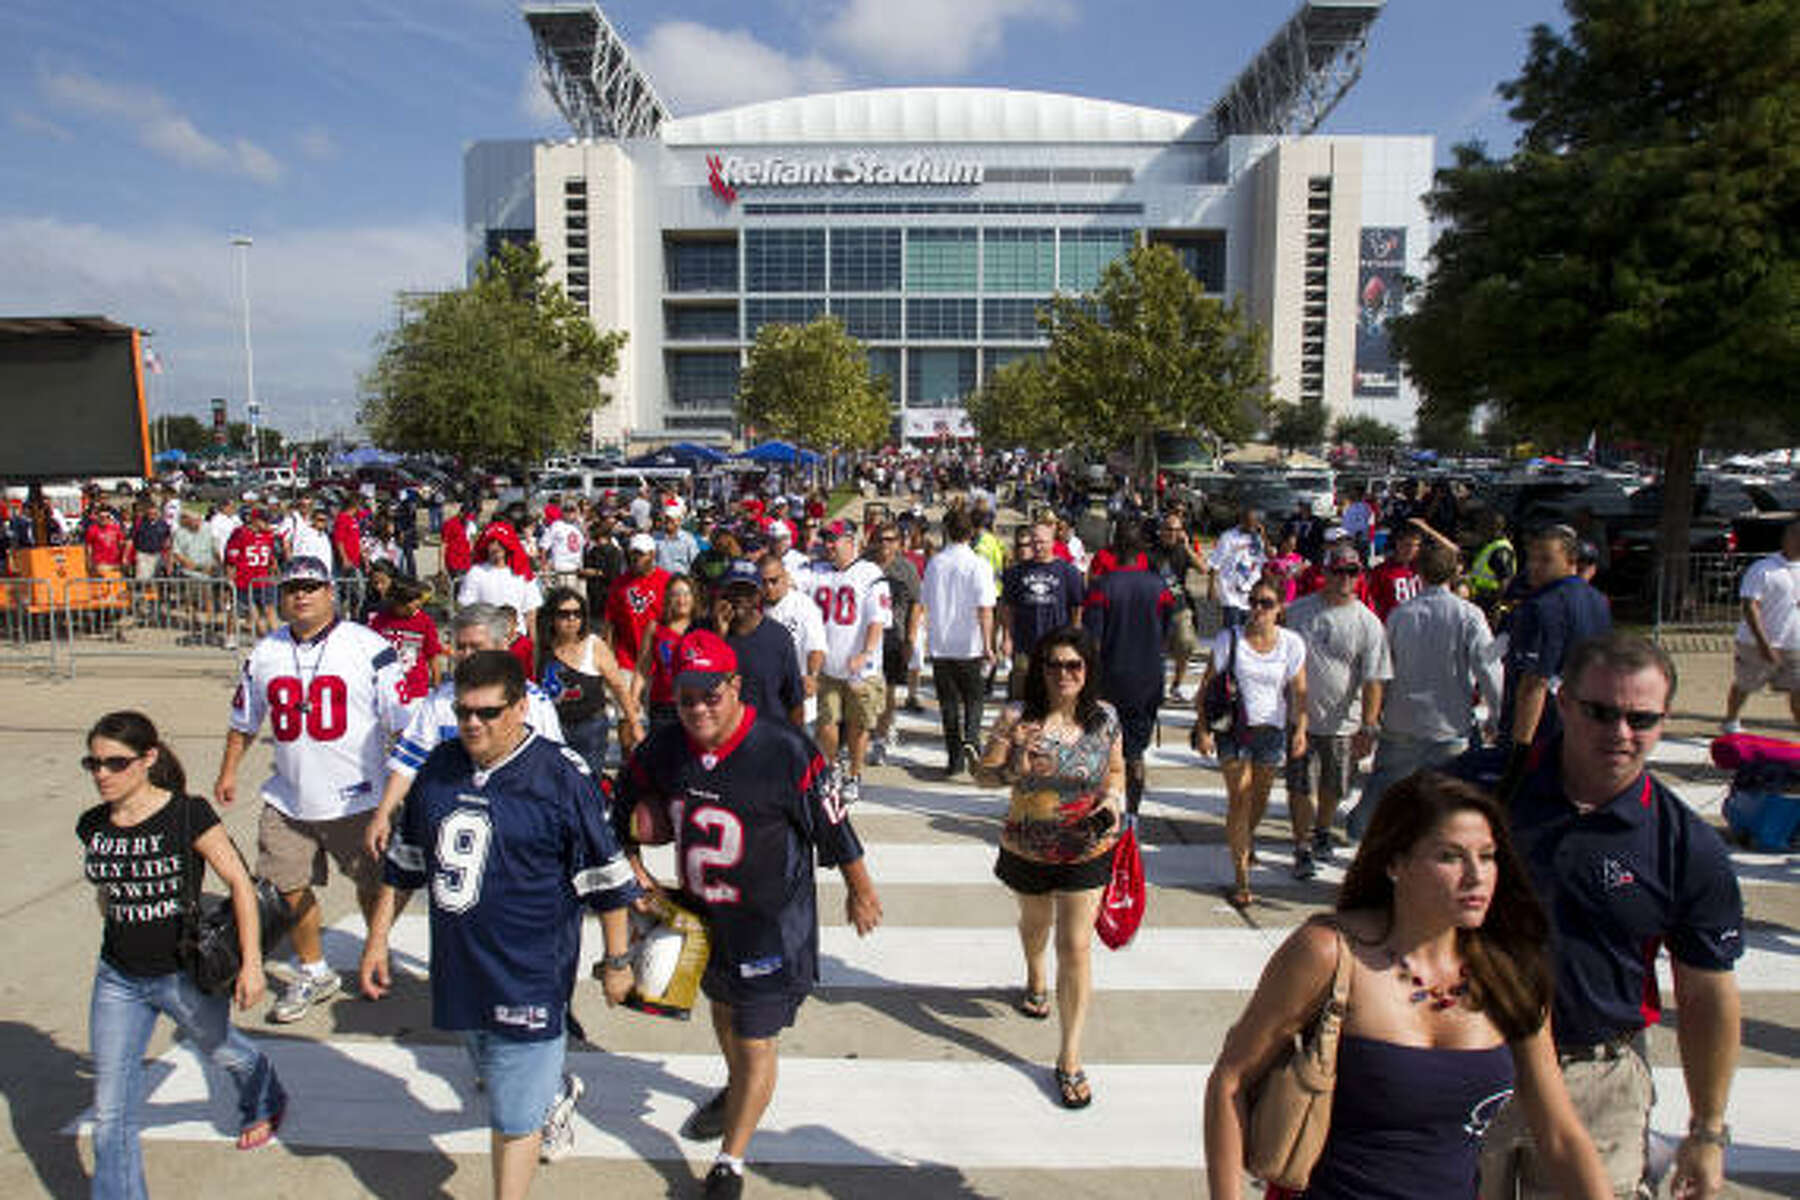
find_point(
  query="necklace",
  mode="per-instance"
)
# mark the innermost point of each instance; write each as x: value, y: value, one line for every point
x: 1441, y: 996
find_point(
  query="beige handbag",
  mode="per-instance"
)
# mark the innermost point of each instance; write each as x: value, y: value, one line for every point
x: 1290, y: 1106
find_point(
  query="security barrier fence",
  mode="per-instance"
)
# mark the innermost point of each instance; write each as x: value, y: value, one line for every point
x: 1697, y: 592
x: 56, y: 623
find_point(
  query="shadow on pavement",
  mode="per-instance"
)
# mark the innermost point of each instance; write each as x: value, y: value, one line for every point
x: 46, y: 1088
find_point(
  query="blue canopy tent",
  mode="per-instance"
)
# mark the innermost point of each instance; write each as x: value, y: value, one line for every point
x: 171, y: 455
x: 691, y: 455
x: 780, y: 453
x: 366, y: 456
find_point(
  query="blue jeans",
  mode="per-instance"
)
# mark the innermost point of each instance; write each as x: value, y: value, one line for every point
x: 1396, y: 757
x: 588, y: 739
x: 120, y: 1019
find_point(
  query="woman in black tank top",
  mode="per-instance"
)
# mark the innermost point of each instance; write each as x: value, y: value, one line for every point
x: 576, y: 669
x: 1448, y: 1016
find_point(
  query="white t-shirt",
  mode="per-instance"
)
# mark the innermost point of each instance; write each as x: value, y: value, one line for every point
x: 797, y: 614
x: 563, y: 543
x: 331, y: 702
x: 958, y: 582
x: 434, y: 720
x: 1263, y: 678
x: 488, y: 584
x: 220, y: 525
x: 849, y: 602
x: 1774, y: 583
x: 315, y: 543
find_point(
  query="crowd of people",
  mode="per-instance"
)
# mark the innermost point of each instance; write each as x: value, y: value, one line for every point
x: 1511, y: 855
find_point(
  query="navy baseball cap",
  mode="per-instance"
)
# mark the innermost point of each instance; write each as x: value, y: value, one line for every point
x: 741, y: 573
x: 305, y: 569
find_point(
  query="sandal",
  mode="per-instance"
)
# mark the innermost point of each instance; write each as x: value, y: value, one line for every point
x: 260, y: 1134
x: 1239, y: 898
x: 1035, y: 1005
x: 1074, y: 1088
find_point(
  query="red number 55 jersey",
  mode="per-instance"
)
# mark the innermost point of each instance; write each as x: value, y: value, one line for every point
x: 330, y: 701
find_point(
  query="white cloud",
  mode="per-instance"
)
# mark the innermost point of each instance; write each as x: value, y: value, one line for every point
x: 30, y: 122
x: 697, y: 68
x: 317, y: 143
x: 534, y: 99
x: 318, y: 298
x: 161, y: 128
x: 936, y: 38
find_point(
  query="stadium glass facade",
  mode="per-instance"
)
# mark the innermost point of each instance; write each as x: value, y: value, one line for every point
x: 935, y: 223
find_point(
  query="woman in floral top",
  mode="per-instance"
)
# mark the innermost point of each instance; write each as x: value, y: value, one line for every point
x: 1060, y: 753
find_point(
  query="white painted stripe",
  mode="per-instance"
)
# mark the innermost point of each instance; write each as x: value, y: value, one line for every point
x: 860, y: 1112
x: 986, y: 957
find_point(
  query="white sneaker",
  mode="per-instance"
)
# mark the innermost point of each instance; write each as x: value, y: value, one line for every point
x: 850, y: 790
x: 877, y: 751
x: 1733, y: 726
x: 307, y: 990
x: 559, y: 1127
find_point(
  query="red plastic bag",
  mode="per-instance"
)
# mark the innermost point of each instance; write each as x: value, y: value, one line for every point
x: 1122, y: 903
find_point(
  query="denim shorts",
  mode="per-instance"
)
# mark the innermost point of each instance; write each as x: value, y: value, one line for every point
x: 521, y: 1078
x: 1263, y: 745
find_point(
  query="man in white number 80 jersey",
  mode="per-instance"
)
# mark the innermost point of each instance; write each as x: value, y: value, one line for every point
x: 330, y: 691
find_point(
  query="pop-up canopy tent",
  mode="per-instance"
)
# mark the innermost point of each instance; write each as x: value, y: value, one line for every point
x: 780, y: 453
x: 691, y: 455
x: 366, y: 456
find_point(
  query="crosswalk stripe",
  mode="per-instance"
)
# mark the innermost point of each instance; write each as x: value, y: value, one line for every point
x: 838, y: 1111
x: 954, y: 957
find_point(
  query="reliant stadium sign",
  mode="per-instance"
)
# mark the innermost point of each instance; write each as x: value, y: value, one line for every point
x: 726, y: 175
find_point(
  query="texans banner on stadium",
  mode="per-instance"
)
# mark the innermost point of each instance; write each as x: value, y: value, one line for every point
x: 1378, y: 295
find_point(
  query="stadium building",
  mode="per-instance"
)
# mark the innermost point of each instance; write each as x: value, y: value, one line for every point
x: 934, y: 221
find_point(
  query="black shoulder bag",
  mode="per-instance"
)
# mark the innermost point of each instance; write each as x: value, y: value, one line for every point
x: 208, y: 949
x: 1219, y: 707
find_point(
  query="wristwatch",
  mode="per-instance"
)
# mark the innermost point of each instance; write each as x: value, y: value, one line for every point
x: 1709, y: 1137
x: 616, y: 962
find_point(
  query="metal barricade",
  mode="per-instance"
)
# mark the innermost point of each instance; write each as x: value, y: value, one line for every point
x: 27, y: 623
x: 1700, y: 593
x: 169, y: 616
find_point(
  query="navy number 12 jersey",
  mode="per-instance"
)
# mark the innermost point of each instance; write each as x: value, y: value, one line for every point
x: 748, y: 818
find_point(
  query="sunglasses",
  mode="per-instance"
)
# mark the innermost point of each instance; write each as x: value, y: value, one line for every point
x: 1265, y: 602
x: 487, y: 714
x: 772, y: 580
x: 707, y: 699
x: 114, y: 763
x: 1637, y: 720
x: 1068, y: 666
x: 570, y: 614
x: 1346, y: 570
x: 303, y: 587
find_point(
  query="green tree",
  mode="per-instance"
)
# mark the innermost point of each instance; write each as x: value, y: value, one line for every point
x: 812, y: 384
x: 1149, y: 351
x: 1365, y: 433
x: 508, y: 367
x: 1014, y: 407
x: 180, y: 432
x: 1292, y: 426
x: 1631, y: 268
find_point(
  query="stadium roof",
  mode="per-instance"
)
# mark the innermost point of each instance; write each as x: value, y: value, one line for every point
x: 60, y: 326
x: 589, y: 73
x: 928, y: 114
x: 1295, y: 81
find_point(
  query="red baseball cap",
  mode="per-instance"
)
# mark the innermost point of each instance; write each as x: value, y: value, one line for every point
x: 703, y: 659
x: 839, y: 528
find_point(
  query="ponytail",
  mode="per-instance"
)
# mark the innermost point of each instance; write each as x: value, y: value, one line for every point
x: 134, y: 729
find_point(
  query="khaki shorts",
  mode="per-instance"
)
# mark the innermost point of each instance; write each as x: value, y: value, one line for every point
x: 1751, y: 672
x: 290, y: 853
x: 1613, y: 1099
x: 859, y: 702
x: 1182, y: 642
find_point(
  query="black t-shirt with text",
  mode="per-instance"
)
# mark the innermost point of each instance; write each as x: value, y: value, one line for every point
x: 141, y: 872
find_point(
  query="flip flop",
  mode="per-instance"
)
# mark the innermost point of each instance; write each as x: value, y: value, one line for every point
x: 1073, y: 1085
x: 1239, y: 898
x: 260, y: 1134
x: 1035, y: 1005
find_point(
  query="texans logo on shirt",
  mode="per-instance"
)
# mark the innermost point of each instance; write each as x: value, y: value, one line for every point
x: 639, y: 601
x: 1616, y: 874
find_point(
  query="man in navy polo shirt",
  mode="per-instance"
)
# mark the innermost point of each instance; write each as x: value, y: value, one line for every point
x: 1128, y: 611
x: 767, y: 669
x: 1624, y: 868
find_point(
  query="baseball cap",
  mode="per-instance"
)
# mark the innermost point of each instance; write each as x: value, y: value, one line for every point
x: 1336, y: 533
x: 703, y: 659
x: 742, y: 573
x: 305, y: 569
x: 839, y: 528
x: 779, y: 532
x: 641, y: 543
x: 1343, y: 554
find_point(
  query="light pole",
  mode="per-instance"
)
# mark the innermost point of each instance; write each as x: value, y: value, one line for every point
x: 242, y: 243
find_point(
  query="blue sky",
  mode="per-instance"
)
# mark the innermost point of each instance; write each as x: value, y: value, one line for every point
x: 135, y: 138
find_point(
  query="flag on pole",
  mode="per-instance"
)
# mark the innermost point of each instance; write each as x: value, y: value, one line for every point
x: 152, y: 361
